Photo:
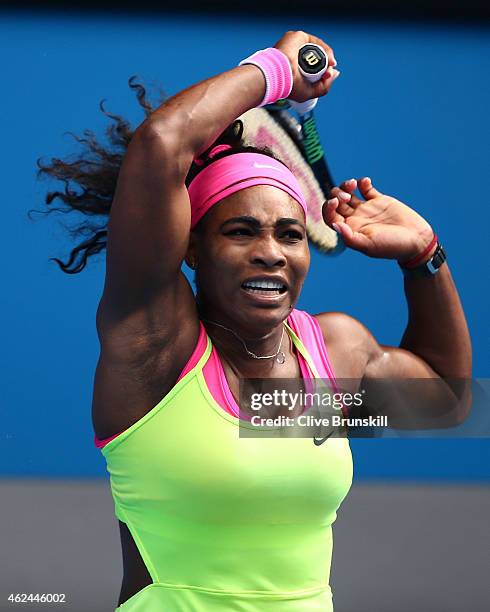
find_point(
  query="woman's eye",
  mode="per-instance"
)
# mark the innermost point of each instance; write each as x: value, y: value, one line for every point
x: 239, y: 231
x: 293, y: 234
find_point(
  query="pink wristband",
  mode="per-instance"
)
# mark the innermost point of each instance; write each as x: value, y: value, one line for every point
x: 277, y: 72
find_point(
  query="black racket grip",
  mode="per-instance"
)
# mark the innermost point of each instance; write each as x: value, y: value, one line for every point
x: 312, y: 62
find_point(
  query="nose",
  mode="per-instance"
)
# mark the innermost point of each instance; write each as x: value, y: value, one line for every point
x: 267, y: 252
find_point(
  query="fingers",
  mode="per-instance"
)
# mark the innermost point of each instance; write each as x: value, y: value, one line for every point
x: 367, y: 190
x: 339, y: 223
x: 322, y: 87
x: 349, y: 187
x: 290, y: 44
x: 348, y: 200
x: 343, y: 200
x: 352, y: 239
x: 328, y: 50
x: 329, y: 212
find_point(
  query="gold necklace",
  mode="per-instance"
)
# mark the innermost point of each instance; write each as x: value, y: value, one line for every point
x: 279, y: 355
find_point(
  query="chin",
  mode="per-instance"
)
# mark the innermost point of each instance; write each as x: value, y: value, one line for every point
x: 262, y: 316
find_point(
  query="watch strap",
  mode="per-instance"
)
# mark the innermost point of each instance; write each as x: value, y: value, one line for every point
x: 428, y: 268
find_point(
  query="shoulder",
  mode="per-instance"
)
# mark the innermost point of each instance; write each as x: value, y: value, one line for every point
x: 339, y: 324
x: 351, y: 346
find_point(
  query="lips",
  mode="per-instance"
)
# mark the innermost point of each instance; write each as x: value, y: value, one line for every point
x: 265, y: 285
x: 265, y: 290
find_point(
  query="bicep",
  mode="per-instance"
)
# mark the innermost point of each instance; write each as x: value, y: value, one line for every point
x: 356, y: 354
x: 388, y: 375
x: 394, y: 362
x: 149, y: 223
x: 393, y: 388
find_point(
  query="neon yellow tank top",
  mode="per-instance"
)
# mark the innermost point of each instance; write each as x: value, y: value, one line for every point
x: 224, y: 522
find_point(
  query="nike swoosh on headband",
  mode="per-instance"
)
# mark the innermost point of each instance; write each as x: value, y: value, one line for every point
x: 232, y: 173
x: 257, y: 165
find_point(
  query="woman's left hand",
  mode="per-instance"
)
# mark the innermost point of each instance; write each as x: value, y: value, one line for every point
x: 376, y: 224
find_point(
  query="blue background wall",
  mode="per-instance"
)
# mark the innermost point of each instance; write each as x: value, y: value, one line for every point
x: 410, y: 110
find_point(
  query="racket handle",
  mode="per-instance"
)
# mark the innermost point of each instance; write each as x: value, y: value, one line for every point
x: 312, y: 63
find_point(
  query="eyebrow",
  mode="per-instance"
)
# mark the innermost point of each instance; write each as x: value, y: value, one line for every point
x: 256, y: 223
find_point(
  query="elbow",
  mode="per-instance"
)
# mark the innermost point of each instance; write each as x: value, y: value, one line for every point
x: 158, y: 133
x: 465, y: 402
x: 460, y: 407
x: 160, y: 138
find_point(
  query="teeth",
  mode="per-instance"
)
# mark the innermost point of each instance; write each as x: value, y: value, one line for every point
x: 264, y: 285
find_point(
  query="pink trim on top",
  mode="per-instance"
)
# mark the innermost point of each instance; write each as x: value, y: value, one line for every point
x: 219, y: 388
x: 309, y: 331
x: 198, y: 352
x: 217, y: 384
x: 215, y: 377
x: 101, y: 443
x: 304, y: 326
x: 312, y: 336
x: 193, y: 360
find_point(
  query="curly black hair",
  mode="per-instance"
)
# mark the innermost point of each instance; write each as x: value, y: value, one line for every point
x: 89, y: 180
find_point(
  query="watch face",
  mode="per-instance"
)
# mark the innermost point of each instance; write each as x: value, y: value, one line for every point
x: 432, y: 267
x: 439, y: 258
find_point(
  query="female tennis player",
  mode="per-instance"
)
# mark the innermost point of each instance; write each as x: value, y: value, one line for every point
x: 211, y: 521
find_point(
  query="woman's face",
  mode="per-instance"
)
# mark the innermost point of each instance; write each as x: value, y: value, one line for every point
x: 255, y: 234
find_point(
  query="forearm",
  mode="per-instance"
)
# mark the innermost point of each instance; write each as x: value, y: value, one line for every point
x: 437, y: 331
x: 196, y: 116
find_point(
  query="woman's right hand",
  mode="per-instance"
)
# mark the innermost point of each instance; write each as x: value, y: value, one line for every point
x: 290, y: 44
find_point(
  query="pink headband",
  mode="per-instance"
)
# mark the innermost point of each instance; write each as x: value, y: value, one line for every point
x: 235, y: 172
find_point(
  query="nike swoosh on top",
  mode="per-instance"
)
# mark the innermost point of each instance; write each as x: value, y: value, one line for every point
x: 318, y: 441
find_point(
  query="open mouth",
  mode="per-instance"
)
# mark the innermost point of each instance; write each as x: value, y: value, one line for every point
x: 266, y: 288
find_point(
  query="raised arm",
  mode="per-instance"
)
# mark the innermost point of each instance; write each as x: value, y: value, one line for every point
x: 436, y: 343
x: 149, y: 224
